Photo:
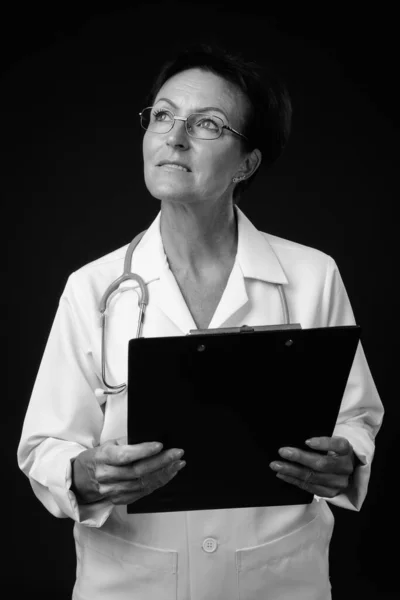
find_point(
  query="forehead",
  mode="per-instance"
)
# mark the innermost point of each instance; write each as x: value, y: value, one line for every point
x: 196, y: 88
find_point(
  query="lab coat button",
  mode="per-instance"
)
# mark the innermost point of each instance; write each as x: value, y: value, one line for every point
x: 210, y: 545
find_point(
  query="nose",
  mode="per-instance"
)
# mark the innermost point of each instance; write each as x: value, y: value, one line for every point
x: 178, y: 137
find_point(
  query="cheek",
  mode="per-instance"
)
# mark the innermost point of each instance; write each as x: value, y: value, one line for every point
x: 219, y: 165
x: 150, y: 148
x: 148, y: 160
x: 147, y: 148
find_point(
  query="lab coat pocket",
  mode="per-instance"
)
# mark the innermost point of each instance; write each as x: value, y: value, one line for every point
x: 293, y: 567
x: 111, y: 568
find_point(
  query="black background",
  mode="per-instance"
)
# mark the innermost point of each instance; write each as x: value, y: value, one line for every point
x: 73, y: 80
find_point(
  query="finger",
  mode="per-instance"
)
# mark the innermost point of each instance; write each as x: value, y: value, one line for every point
x: 318, y: 490
x: 115, y: 453
x: 329, y: 480
x: 312, y: 460
x: 114, y: 473
x: 338, y: 445
x: 318, y: 462
x: 161, y: 461
x: 125, y: 492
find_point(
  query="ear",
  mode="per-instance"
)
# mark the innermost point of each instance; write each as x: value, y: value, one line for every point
x: 249, y: 165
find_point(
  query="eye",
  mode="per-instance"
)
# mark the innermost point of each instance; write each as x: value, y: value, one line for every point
x: 161, y: 115
x: 207, y: 123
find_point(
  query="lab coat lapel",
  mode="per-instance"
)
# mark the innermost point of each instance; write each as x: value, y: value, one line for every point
x: 255, y: 259
x: 170, y: 300
x: 233, y: 298
x: 148, y: 256
x: 150, y: 262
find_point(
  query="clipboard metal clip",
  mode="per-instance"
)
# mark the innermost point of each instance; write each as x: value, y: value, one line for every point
x: 242, y: 329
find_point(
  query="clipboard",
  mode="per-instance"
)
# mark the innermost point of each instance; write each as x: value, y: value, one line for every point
x: 231, y: 399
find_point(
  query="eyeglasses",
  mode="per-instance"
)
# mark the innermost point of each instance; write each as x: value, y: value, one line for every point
x: 198, y: 125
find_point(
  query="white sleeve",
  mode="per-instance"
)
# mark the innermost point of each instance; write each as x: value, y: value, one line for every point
x: 361, y: 411
x: 63, y: 419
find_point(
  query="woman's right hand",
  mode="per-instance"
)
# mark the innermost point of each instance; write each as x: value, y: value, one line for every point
x: 122, y: 473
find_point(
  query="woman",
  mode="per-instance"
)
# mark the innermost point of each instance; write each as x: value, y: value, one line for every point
x: 211, y: 122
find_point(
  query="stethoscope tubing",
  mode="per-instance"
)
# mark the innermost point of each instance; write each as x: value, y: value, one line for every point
x: 143, y: 300
x: 113, y: 289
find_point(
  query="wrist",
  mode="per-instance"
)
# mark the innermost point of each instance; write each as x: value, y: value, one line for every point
x: 74, y: 488
x: 355, y: 460
x: 79, y: 482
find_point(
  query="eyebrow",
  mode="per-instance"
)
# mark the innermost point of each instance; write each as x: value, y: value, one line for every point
x: 203, y: 109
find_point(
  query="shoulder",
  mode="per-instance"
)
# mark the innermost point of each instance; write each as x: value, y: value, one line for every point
x: 303, y: 265
x: 315, y: 288
x: 294, y: 254
x: 294, y: 250
x: 89, y: 281
x: 104, y: 263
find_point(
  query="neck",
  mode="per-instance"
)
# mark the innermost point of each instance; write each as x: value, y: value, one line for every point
x: 198, y: 239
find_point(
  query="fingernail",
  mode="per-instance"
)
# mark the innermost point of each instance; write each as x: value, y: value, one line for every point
x: 275, y: 466
x: 178, y: 465
x: 286, y: 452
x: 312, y: 442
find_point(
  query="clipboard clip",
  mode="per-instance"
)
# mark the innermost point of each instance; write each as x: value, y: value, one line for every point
x: 243, y: 329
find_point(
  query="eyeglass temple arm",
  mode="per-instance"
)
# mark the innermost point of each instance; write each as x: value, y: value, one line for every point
x: 234, y: 131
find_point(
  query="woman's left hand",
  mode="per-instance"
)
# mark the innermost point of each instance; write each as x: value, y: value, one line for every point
x: 323, y: 475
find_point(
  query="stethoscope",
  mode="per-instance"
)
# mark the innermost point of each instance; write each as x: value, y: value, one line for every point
x: 143, y: 300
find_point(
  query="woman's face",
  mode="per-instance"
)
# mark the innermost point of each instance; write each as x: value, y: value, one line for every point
x: 211, y: 164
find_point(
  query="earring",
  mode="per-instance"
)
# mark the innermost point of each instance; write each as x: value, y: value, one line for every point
x: 236, y: 179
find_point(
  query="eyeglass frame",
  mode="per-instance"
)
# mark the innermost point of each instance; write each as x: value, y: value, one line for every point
x: 185, y: 119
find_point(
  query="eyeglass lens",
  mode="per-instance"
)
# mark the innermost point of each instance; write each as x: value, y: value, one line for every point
x: 198, y: 125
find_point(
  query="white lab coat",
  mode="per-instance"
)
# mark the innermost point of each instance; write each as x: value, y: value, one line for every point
x: 246, y: 553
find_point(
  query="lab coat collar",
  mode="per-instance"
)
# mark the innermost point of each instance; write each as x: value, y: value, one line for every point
x: 255, y: 254
x: 255, y: 259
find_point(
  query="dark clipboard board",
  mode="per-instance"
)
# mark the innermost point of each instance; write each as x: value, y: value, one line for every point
x: 231, y: 400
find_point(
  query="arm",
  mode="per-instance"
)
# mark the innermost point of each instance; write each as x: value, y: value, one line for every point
x: 63, y: 418
x: 361, y: 411
x: 359, y: 421
x: 342, y: 477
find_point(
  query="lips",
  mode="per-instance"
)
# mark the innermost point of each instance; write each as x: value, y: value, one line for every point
x: 174, y: 164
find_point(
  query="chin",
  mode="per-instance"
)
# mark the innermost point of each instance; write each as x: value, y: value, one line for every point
x: 170, y: 193
x: 165, y: 186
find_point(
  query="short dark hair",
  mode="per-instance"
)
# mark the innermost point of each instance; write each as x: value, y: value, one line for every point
x: 268, y: 124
